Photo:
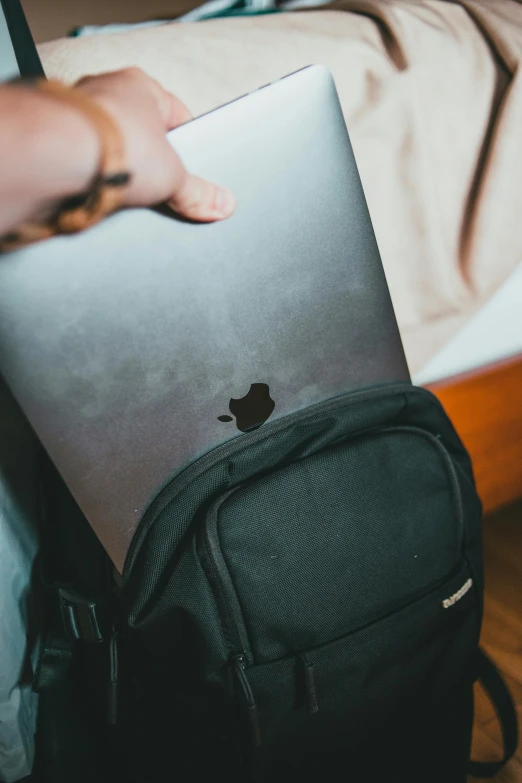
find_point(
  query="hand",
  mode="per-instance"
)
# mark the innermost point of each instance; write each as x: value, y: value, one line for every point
x: 144, y: 112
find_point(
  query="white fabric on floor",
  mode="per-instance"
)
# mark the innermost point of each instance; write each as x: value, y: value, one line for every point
x: 18, y: 544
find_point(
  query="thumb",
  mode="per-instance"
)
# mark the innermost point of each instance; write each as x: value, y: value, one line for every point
x: 197, y: 199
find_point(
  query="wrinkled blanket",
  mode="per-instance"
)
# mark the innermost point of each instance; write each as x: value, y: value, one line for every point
x: 432, y: 96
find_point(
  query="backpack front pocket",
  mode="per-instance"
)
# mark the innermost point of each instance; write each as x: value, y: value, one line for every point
x: 332, y: 542
x: 405, y: 679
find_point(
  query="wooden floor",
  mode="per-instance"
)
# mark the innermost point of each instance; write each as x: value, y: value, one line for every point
x: 502, y: 631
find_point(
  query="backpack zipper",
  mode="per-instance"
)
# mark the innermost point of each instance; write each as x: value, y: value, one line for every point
x: 112, y: 693
x: 240, y: 665
x: 308, y: 680
x: 221, y: 582
x: 229, y: 609
x: 114, y: 588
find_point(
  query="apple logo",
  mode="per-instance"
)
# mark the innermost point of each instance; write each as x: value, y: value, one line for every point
x: 252, y: 410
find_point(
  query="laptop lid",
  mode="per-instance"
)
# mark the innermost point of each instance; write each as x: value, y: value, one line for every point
x: 126, y: 344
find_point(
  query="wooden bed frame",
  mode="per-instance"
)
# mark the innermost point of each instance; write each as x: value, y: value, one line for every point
x: 485, y: 406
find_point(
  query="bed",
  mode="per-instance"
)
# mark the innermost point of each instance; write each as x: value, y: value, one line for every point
x: 432, y: 96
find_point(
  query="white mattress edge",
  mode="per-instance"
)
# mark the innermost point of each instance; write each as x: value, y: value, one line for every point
x: 492, y: 334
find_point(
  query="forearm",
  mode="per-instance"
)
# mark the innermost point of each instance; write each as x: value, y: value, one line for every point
x: 48, y: 151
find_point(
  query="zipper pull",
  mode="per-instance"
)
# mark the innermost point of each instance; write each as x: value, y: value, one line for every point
x: 240, y: 665
x: 112, y: 694
x: 308, y: 674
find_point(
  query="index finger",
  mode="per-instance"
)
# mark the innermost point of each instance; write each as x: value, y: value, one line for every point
x: 172, y: 110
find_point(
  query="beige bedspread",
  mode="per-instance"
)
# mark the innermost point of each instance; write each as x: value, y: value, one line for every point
x: 432, y: 96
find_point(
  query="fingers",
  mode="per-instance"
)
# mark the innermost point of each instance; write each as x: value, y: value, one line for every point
x: 145, y: 111
x: 197, y: 199
x: 194, y: 198
x: 173, y: 111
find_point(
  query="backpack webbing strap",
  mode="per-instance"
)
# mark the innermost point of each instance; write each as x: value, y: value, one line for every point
x: 66, y: 739
x: 81, y: 616
x: 501, y: 699
x: 71, y: 617
x: 55, y: 655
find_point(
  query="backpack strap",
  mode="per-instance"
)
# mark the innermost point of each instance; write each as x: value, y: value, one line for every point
x: 501, y: 699
x: 69, y: 739
x: 71, y: 617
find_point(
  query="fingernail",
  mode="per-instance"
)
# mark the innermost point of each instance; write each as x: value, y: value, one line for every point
x: 225, y: 202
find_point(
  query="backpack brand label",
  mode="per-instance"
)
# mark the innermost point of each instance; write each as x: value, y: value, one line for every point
x: 458, y: 595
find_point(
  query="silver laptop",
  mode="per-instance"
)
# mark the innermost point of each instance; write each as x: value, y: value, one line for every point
x: 143, y: 343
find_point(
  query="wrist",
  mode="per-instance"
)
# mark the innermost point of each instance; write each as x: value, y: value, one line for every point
x: 59, y: 152
x: 69, y: 150
x: 78, y: 164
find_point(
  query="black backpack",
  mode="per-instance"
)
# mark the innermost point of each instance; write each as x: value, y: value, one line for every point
x: 302, y: 603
